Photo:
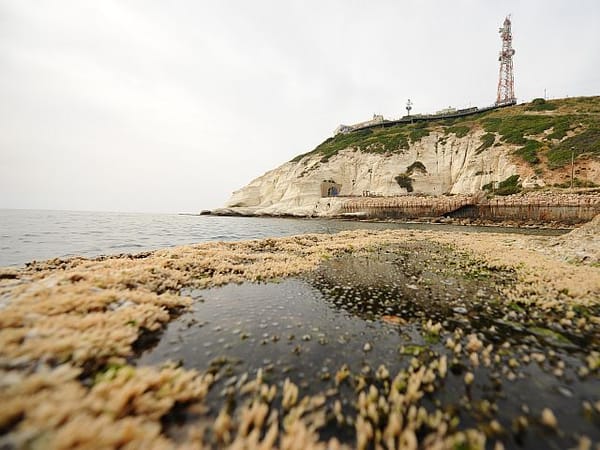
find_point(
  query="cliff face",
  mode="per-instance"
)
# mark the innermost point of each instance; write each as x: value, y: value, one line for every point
x: 536, y: 141
x: 440, y: 164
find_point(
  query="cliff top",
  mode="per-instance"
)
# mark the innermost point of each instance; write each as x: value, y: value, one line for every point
x: 543, y: 133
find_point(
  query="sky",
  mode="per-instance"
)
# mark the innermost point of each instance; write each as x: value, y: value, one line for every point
x: 154, y: 106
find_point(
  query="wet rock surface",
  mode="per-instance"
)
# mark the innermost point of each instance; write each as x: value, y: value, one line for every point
x: 413, y: 340
x: 448, y: 340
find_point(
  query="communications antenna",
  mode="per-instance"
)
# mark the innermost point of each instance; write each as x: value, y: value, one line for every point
x: 506, y: 81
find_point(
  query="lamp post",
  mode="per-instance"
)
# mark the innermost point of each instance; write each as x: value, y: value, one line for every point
x: 572, y: 165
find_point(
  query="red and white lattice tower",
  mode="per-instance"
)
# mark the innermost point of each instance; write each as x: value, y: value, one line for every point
x: 506, y: 81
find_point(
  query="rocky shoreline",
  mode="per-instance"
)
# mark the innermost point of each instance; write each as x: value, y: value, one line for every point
x: 71, y: 330
x: 549, y: 209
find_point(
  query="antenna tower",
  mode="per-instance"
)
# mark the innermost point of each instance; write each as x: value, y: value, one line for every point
x: 506, y: 81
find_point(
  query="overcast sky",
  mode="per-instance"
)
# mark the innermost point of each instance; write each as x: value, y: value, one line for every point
x: 138, y: 105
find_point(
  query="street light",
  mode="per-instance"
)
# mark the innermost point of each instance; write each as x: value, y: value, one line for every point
x: 572, y: 165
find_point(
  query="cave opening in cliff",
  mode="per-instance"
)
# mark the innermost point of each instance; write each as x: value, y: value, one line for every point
x: 329, y: 188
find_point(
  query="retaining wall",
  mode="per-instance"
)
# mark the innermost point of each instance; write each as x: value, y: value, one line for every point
x: 568, y: 213
x: 522, y: 209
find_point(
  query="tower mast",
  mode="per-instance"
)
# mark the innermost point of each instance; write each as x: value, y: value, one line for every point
x: 506, y: 81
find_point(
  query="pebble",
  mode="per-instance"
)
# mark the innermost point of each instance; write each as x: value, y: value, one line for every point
x: 565, y: 392
x: 548, y: 418
x: 367, y: 347
x: 469, y: 377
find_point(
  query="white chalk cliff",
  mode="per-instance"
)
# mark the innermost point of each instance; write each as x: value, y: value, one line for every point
x: 452, y: 165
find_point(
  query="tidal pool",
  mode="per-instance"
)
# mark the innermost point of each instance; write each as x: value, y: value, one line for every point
x: 357, y: 321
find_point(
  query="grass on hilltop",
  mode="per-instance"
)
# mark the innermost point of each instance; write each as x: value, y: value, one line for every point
x: 540, y: 128
x: 509, y: 186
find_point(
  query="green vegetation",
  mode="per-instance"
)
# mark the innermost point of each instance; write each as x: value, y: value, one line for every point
x: 487, y: 140
x: 411, y: 350
x: 539, y: 104
x: 520, y: 128
x: 550, y: 335
x: 513, y: 129
x: 394, y: 139
x: 529, y: 152
x: 507, y: 187
x: 404, y: 180
x: 380, y: 140
x: 418, y: 133
x: 562, y: 124
x: 586, y: 142
x: 417, y: 165
x: 585, y: 105
x: 459, y: 130
x: 578, y: 183
x: 543, y: 131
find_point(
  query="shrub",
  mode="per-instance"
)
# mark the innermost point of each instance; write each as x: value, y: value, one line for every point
x: 378, y: 140
x: 585, y: 142
x: 578, y: 183
x: 512, y: 129
x: 405, y: 181
x: 529, y: 152
x: 418, y: 133
x: 459, y: 130
x: 487, y: 140
x: 507, y: 187
x: 417, y: 165
x: 561, y: 126
x: 539, y: 104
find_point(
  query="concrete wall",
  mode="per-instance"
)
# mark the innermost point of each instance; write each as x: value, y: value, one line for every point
x: 520, y: 210
x: 568, y: 214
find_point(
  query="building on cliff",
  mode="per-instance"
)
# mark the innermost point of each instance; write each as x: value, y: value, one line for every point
x: 376, y: 120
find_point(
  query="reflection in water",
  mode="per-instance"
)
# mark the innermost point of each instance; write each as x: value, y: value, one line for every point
x: 415, y: 282
x: 371, y: 310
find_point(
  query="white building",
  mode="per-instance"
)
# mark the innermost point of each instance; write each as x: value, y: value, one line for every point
x: 377, y: 119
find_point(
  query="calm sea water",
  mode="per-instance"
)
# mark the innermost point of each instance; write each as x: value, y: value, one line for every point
x: 27, y: 235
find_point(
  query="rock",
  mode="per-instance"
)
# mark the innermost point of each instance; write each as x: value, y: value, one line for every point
x: 295, y: 187
x: 469, y: 378
x: 548, y: 418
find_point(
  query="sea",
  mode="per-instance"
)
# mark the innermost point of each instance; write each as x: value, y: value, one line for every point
x: 28, y: 235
